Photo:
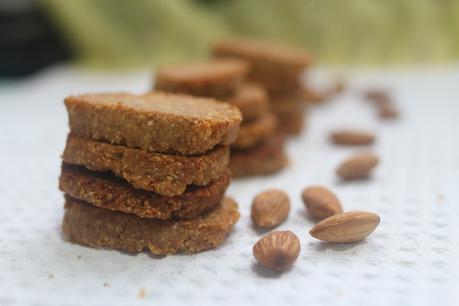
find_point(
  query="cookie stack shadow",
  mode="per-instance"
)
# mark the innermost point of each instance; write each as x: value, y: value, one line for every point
x: 279, y: 70
x: 148, y: 172
x: 258, y: 148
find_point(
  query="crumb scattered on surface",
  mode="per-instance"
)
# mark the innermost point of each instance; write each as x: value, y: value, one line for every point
x: 79, y: 257
x: 142, y: 293
x: 107, y: 285
x: 50, y: 275
x: 440, y: 198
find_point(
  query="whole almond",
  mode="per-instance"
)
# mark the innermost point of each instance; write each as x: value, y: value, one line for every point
x: 377, y: 94
x: 352, y: 137
x: 359, y: 166
x: 346, y: 227
x: 321, y: 202
x: 387, y: 111
x: 270, y: 208
x: 277, y: 250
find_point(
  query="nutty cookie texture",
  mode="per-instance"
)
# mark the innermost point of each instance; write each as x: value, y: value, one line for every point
x: 254, y: 132
x: 266, y: 158
x: 215, y: 78
x: 291, y: 117
x: 277, y: 67
x: 91, y: 226
x: 166, y: 174
x: 156, y: 122
x: 111, y: 193
x: 251, y: 100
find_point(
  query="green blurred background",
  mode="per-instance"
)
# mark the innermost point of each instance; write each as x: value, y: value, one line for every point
x: 136, y: 33
x: 354, y: 31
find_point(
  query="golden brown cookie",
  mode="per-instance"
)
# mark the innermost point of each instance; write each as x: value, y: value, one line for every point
x: 253, y: 132
x: 215, y: 78
x: 105, y: 190
x: 293, y: 123
x: 156, y: 122
x: 266, y: 158
x: 91, y: 226
x: 290, y: 115
x: 273, y: 65
x: 162, y: 173
x: 251, y: 100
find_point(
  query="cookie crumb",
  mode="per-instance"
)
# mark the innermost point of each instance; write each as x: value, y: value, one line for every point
x: 142, y: 293
x: 440, y: 198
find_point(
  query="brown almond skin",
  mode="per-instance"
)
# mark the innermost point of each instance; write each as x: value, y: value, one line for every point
x: 352, y: 137
x: 320, y: 202
x: 346, y: 227
x: 388, y: 111
x: 277, y: 250
x: 358, y: 166
x: 270, y: 208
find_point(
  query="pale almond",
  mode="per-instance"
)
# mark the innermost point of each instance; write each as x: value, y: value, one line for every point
x: 346, y: 227
x: 359, y: 166
x: 277, y: 250
x: 352, y: 137
x: 270, y: 208
x: 320, y: 202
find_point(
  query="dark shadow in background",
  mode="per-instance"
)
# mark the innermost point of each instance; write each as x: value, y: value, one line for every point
x: 28, y: 40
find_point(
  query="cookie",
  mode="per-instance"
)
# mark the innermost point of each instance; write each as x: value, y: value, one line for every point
x: 162, y: 173
x: 273, y: 65
x: 105, y: 190
x: 253, y: 132
x: 91, y: 226
x: 266, y: 158
x: 251, y: 100
x: 290, y: 115
x: 292, y: 123
x: 156, y: 122
x: 215, y: 78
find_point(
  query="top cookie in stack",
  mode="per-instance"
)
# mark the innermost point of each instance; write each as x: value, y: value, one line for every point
x: 226, y: 80
x: 147, y: 162
x: 278, y: 69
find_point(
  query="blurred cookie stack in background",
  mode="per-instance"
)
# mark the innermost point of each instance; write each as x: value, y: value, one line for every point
x: 279, y: 70
x: 258, y: 149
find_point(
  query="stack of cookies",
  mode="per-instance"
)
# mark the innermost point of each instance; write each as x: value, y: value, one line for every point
x: 278, y: 69
x: 257, y: 149
x: 148, y: 171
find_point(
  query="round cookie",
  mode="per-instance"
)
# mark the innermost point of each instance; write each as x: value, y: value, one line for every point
x: 166, y: 174
x: 89, y: 225
x: 215, y: 78
x: 275, y: 66
x: 290, y: 115
x: 266, y: 158
x: 109, y: 192
x: 253, y: 132
x: 155, y: 122
x: 251, y: 100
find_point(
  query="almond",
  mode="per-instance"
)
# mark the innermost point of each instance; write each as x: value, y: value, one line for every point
x: 377, y: 94
x: 321, y: 202
x: 358, y: 166
x: 270, y: 208
x: 387, y: 111
x: 346, y: 227
x: 352, y: 137
x: 277, y: 250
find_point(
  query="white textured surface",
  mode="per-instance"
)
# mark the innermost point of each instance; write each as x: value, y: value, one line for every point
x: 411, y: 259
